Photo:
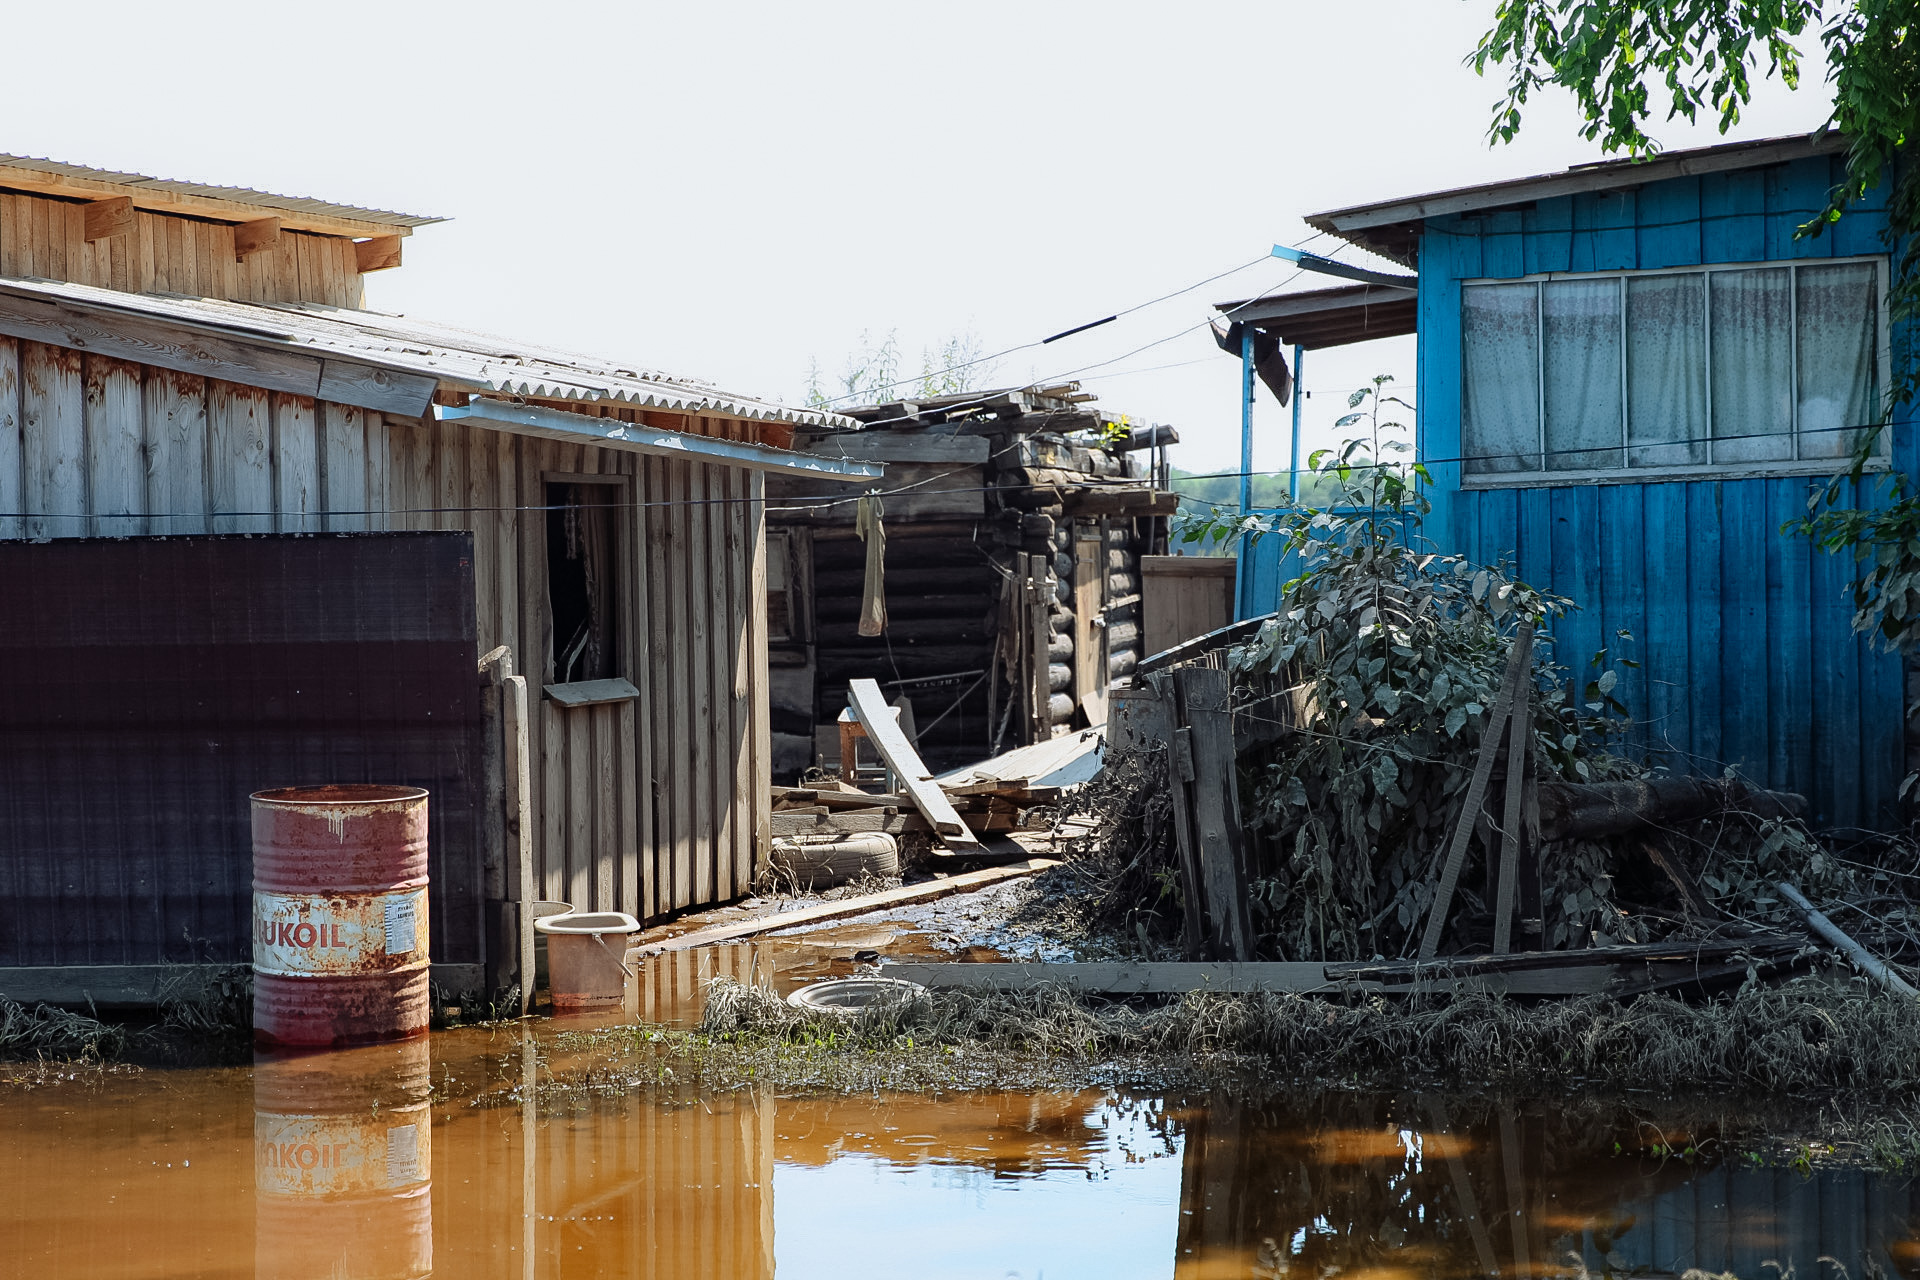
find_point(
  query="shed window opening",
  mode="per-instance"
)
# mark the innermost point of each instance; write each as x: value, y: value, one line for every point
x: 582, y: 577
x: 1726, y: 368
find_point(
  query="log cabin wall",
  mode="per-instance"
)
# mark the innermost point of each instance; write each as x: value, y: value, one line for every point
x: 966, y: 505
x: 45, y: 237
x: 645, y: 805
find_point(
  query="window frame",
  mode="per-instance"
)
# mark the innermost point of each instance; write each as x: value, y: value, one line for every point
x: 1709, y: 470
x: 623, y: 555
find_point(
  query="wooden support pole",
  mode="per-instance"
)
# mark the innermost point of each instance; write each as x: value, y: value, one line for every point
x: 1519, y: 660
x: 1520, y: 726
x: 103, y: 218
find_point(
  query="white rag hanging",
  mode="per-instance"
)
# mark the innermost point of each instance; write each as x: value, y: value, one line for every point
x: 873, y: 593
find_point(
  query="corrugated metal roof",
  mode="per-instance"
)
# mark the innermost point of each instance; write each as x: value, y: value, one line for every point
x: 208, y: 191
x: 461, y: 358
x: 1392, y: 228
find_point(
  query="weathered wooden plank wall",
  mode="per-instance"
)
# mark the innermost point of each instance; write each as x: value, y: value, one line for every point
x: 645, y: 806
x: 45, y: 237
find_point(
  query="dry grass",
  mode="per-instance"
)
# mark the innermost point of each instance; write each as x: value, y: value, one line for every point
x: 1804, y: 1039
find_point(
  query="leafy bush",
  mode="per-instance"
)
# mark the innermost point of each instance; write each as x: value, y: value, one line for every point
x: 1390, y: 655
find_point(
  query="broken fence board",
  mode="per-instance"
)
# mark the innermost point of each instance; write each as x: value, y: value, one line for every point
x: 888, y: 739
x: 650, y: 944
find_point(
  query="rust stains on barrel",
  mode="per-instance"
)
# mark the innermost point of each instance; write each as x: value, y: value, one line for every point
x: 340, y: 914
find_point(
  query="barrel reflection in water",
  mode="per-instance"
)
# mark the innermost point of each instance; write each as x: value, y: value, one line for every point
x: 341, y: 1164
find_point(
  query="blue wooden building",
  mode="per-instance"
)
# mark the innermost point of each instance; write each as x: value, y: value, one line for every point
x: 1631, y: 375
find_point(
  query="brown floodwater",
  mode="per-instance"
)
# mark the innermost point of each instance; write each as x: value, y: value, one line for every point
x: 441, y: 1157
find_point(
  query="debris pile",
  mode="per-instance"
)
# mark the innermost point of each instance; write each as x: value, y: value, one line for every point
x: 1417, y: 774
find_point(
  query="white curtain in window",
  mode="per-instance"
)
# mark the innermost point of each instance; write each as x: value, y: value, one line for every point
x: 1666, y: 370
x: 1582, y: 370
x: 1500, y: 398
x: 1752, y: 365
x: 1836, y: 316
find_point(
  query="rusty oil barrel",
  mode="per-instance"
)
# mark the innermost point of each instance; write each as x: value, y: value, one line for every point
x: 339, y: 914
x: 343, y: 1163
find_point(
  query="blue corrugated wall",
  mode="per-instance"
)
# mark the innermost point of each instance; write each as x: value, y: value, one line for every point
x: 1743, y: 633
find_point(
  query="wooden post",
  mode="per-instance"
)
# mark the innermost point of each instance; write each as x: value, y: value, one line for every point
x: 1520, y: 725
x: 1201, y: 699
x: 507, y: 840
x: 1156, y: 724
x: 1039, y: 602
x: 1519, y: 660
x: 520, y: 831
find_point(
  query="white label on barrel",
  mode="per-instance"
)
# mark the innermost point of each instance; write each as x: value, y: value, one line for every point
x: 399, y: 926
x: 403, y: 1154
x: 306, y: 935
x: 337, y: 1154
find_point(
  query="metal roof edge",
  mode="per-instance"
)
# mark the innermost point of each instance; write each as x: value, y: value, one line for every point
x: 1598, y: 175
x: 579, y: 428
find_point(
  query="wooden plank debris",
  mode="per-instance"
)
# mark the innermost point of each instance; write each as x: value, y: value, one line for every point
x: 1864, y: 960
x: 654, y: 942
x: 1617, y: 971
x: 885, y: 734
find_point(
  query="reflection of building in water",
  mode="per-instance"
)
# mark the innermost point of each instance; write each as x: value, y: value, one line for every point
x: 1373, y: 1184
x: 342, y: 1164
x: 1006, y: 1135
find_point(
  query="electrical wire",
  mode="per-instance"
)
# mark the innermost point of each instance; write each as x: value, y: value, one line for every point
x: 1041, y: 342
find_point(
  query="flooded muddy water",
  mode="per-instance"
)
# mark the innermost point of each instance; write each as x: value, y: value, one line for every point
x: 442, y: 1157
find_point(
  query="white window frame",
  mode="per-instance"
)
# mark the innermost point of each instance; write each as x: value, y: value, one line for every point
x: 1709, y: 470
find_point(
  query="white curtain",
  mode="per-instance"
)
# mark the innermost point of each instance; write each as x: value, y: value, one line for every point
x: 1836, y: 318
x: 1500, y: 397
x: 1666, y: 370
x: 1752, y: 370
x: 1582, y: 368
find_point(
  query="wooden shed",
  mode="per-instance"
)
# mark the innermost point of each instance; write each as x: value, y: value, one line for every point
x: 1015, y: 521
x: 187, y: 371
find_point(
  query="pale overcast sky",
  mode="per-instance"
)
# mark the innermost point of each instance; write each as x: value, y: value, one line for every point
x: 731, y: 192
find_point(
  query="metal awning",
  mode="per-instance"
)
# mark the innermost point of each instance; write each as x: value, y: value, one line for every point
x: 1318, y: 318
x: 611, y: 433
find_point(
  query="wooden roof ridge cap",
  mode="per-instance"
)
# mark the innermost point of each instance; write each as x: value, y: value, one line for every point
x: 43, y: 176
x: 1590, y: 176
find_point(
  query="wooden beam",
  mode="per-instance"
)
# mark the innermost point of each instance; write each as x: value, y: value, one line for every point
x: 1864, y: 960
x: 160, y: 200
x: 884, y: 732
x: 109, y: 217
x: 250, y: 238
x: 378, y: 254
x: 1519, y: 667
x: 655, y: 941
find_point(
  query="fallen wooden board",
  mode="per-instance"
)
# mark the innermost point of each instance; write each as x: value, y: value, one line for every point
x: 1678, y: 950
x: 1178, y: 977
x: 906, y: 895
x: 848, y: 823
x: 1124, y: 977
x: 887, y: 738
